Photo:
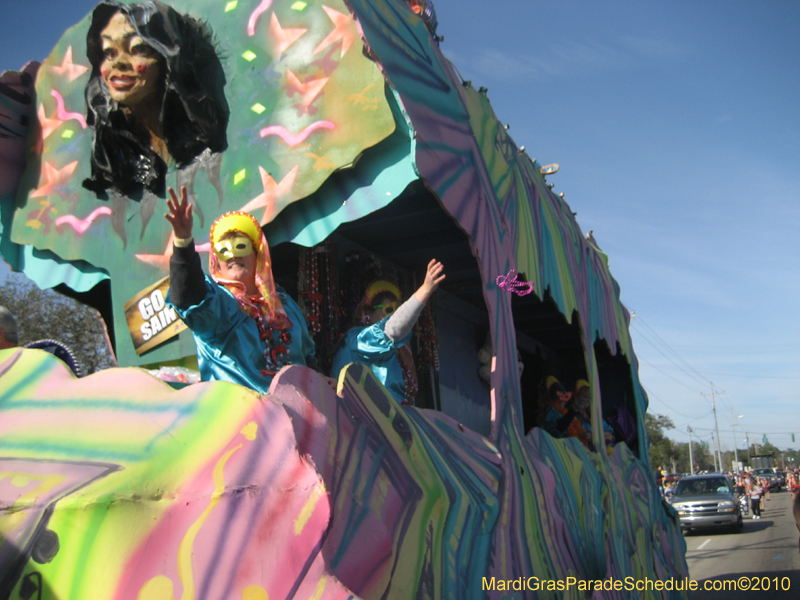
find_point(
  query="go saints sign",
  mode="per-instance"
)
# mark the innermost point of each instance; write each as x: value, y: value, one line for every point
x: 150, y: 321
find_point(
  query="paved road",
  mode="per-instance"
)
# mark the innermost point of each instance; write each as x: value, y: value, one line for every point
x: 765, y: 552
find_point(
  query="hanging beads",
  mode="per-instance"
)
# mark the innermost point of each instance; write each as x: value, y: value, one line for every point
x: 309, y: 290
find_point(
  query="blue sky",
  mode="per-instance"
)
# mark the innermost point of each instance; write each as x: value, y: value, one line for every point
x: 677, y: 128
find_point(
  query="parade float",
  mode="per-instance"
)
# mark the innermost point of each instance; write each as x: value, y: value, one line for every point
x: 343, y: 128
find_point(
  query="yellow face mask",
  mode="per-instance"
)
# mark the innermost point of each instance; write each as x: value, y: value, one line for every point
x: 233, y: 247
x: 387, y: 308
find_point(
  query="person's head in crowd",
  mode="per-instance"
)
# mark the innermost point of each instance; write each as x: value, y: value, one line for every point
x: 9, y: 333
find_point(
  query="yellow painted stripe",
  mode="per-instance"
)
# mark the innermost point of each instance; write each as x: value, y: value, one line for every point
x: 320, y: 589
x: 187, y: 545
x: 308, y: 509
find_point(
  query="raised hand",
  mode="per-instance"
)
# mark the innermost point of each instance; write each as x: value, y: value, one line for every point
x: 433, y: 277
x: 180, y: 214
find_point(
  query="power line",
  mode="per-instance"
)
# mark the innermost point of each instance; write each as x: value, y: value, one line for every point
x: 651, y: 337
x: 668, y: 375
x: 753, y: 432
x: 745, y: 349
x: 651, y: 395
x: 751, y: 376
x: 680, y: 368
x: 734, y: 375
x: 700, y: 417
x: 640, y: 320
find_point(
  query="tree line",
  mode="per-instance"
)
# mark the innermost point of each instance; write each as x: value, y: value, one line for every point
x: 673, y: 456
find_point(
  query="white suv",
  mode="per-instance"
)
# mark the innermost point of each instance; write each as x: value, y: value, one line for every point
x: 707, y: 501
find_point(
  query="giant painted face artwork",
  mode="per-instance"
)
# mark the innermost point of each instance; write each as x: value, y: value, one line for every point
x: 131, y: 69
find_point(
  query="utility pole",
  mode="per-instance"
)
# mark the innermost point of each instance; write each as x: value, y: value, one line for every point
x: 716, y: 470
x: 735, y: 448
x: 747, y: 443
x: 691, y: 460
x: 713, y: 395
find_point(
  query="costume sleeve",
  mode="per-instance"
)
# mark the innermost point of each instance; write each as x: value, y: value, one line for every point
x: 214, y: 316
x: 187, y: 286
x: 556, y: 424
x: 372, y: 344
x: 565, y: 421
x: 402, y: 321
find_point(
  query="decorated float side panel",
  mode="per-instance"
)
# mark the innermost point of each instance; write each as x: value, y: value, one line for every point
x: 498, y: 196
x: 213, y: 492
x: 119, y: 487
x: 463, y: 379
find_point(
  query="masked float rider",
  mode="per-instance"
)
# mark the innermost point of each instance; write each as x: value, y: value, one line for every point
x: 581, y: 402
x: 381, y: 331
x: 558, y: 420
x: 244, y: 326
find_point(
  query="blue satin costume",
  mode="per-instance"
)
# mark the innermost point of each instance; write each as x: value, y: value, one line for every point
x: 587, y: 427
x: 372, y: 347
x: 228, y: 344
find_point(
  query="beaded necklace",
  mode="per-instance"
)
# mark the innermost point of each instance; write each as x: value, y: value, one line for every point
x: 276, y: 351
x: 511, y: 283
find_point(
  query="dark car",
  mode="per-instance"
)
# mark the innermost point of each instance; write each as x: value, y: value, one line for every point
x: 781, y: 474
x: 707, y: 501
x: 768, y: 473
